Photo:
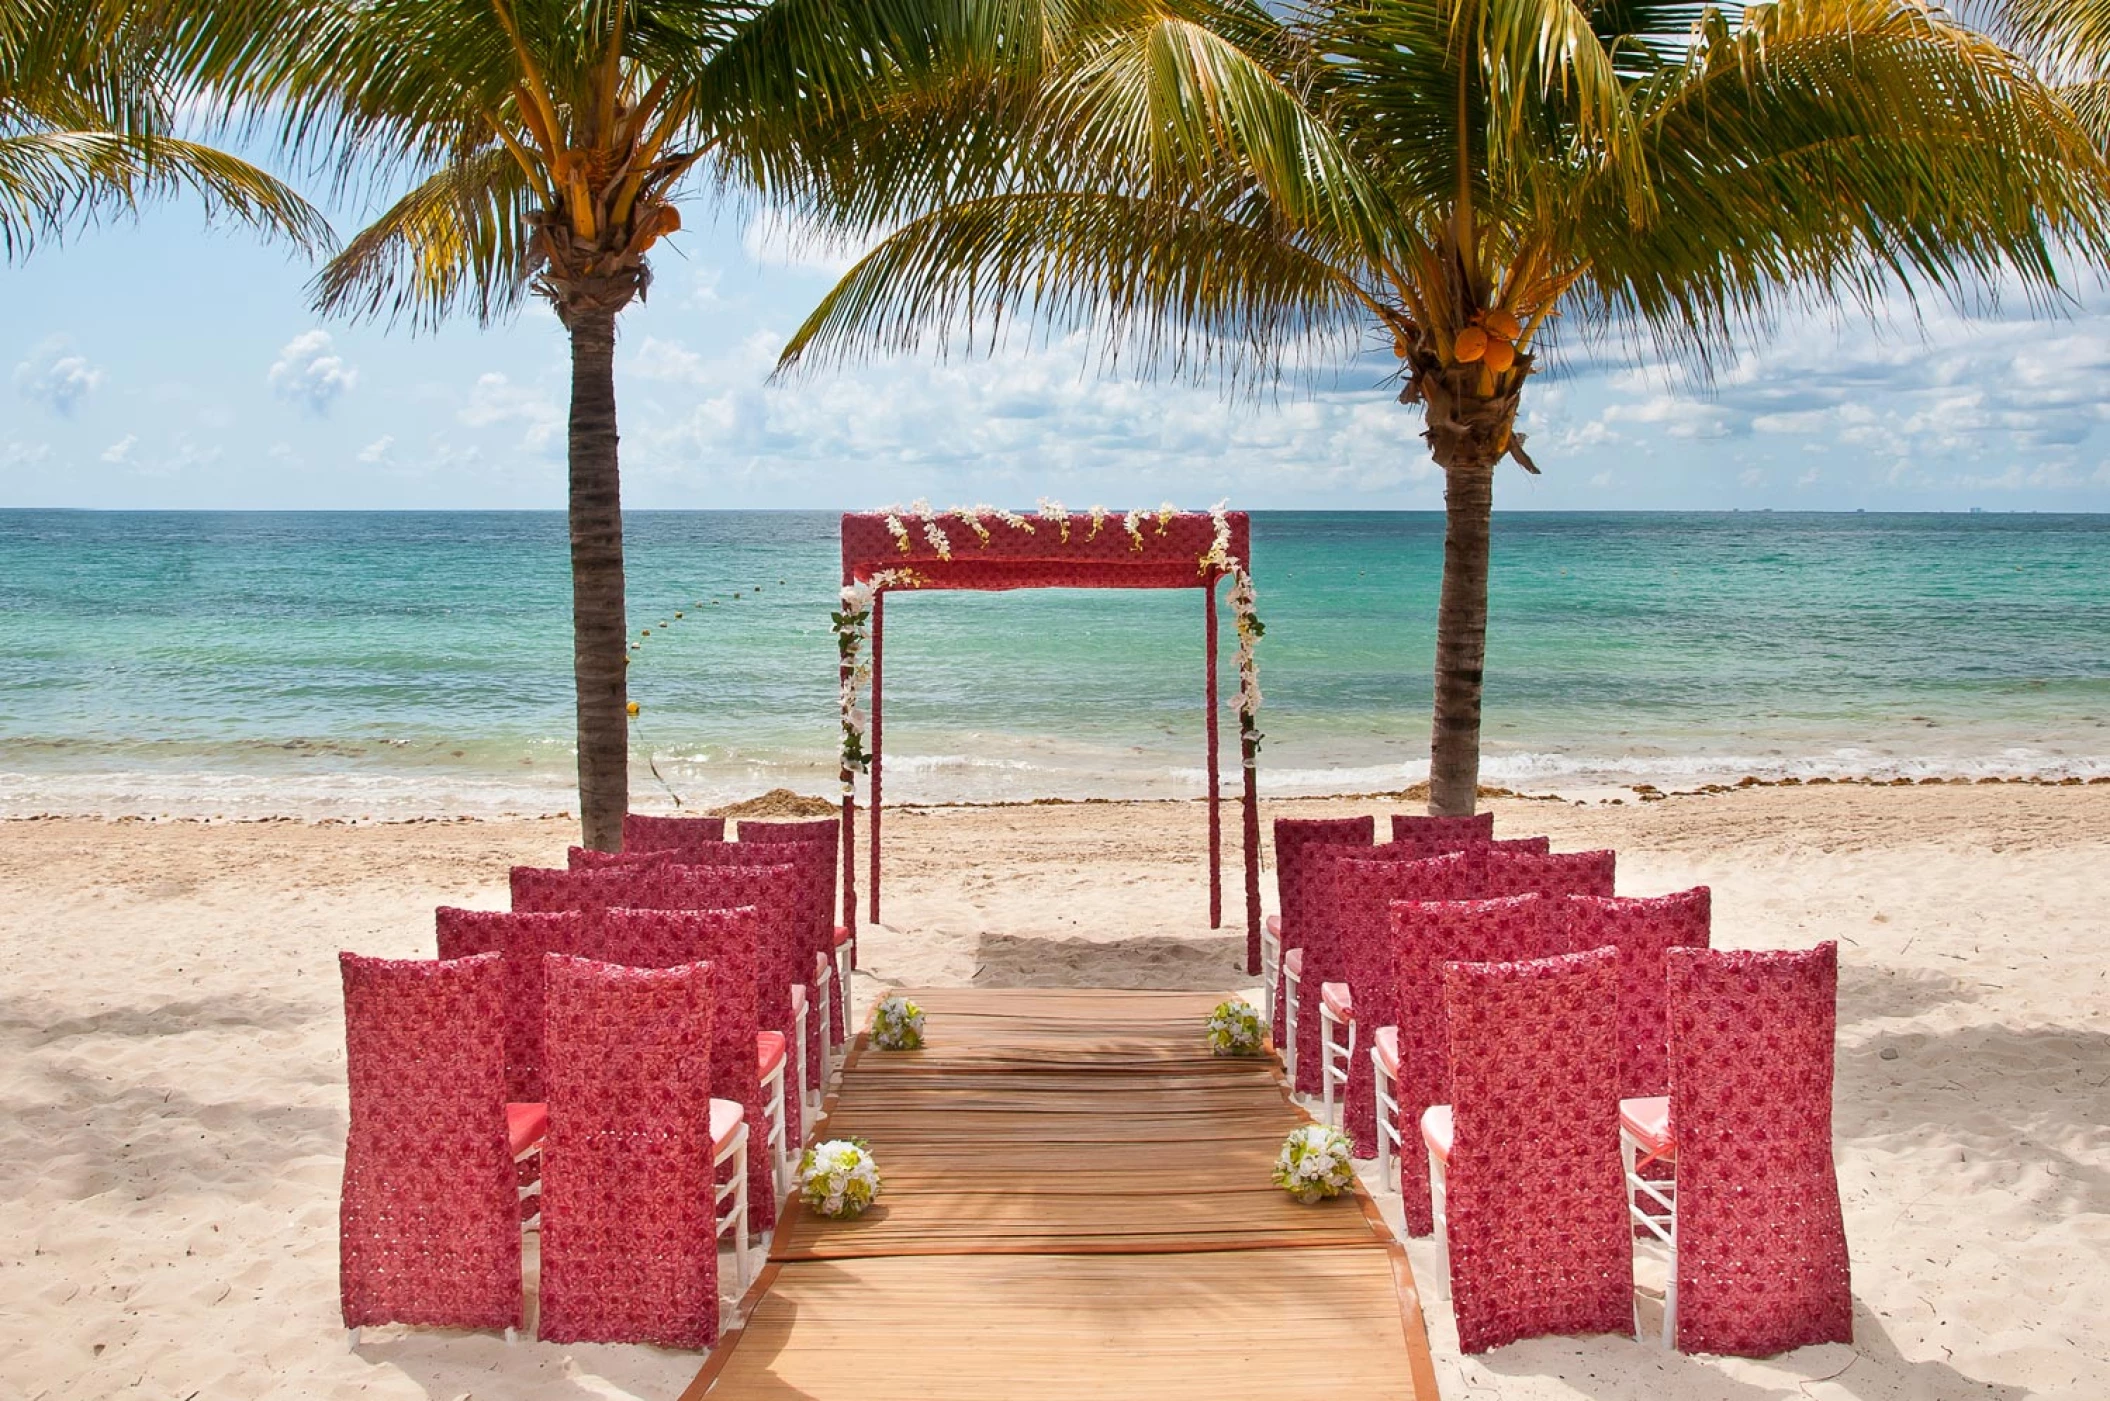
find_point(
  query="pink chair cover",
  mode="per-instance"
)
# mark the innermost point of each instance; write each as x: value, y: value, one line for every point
x: 1535, y: 1201
x: 429, y: 1226
x: 1362, y: 888
x: 1295, y: 839
x: 1433, y: 836
x: 629, y: 1245
x: 1643, y: 929
x: 726, y: 939
x: 1511, y: 872
x: 538, y: 890
x: 1425, y: 936
x: 820, y: 829
x: 1762, y: 1262
x: 586, y: 858
x: 522, y: 939
x: 644, y: 833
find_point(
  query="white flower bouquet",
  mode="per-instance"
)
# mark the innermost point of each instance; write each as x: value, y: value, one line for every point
x: 1235, y: 1030
x: 839, y: 1178
x: 897, y: 1025
x: 1317, y: 1162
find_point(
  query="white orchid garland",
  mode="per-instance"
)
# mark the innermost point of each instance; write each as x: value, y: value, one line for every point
x: 1234, y: 1029
x: 1316, y: 1163
x: 1250, y: 629
x: 839, y: 1178
x: 852, y: 624
x: 897, y: 1025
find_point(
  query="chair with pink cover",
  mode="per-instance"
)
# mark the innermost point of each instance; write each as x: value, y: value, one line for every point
x: 1644, y: 929
x: 1411, y: 1069
x: 1531, y: 1214
x: 1758, y: 1243
x: 1507, y: 871
x: 522, y: 939
x: 429, y: 1226
x: 1357, y: 887
x: 1433, y: 836
x: 1282, y: 938
x: 840, y: 948
x: 631, y: 1214
x: 645, y: 833
x: 747, y: 1064
x: 539, y: 890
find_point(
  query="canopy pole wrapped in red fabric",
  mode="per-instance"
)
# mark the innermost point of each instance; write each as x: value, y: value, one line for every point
x: 995, y: 551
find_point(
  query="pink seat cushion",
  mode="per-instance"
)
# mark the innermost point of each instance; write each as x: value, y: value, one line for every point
x: 1387, y: 1041
x: 1648, y: 1120
x: 726, y: 1118
x: 1274, y: 926
x: 1293, y: 963
x: 525, y: 1126
x: 1335, y: 996
x: 769, y: 1051
x: 842, y: 936
x: 798, y: 998
x: 1436, y: 1130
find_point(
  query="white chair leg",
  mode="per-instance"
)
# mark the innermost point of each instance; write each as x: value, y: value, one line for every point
x: 1270, y: 970
x: 798, y: 1034
x: 1387, y: 1122
x: 740, y: 1222
x: 1437, y: 1195
x: 353, y: 1334
x: 1289, y: 1027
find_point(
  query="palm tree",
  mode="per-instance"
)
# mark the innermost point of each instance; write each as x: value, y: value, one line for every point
x: 87, y: 129
x: 2070, y: 41
x: 1217, y: 182
x: 545, y: 144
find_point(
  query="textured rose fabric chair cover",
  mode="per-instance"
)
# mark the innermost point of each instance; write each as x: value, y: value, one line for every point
x: 429, y: 1227
x: 1643, y: 929
x: 1536, y: 1196
x: 1761, y: 1245
x: 1295, y: 839
x: 629, y: 1244
x: 522, y: 939
x: 586, y: 858
x: 1433, y: 836
x: 820, y: 829
x: 1509, y: 872
x: 725, y: 939
x: 539, y: 890
x: 642, y: 833
x: 1356, y: 894
x: 1425, y: 936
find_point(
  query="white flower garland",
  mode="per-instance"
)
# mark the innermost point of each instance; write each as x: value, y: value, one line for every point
x: 839, y: 1178
x: 851, y: 626
x: 1051, y: 510
x: 1234, y: 1029
x: 1250, y: 629
x: 897, y: 1025
x: 1317, y: 1162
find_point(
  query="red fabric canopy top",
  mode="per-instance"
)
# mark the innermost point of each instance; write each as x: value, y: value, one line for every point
x: 1013, y: 558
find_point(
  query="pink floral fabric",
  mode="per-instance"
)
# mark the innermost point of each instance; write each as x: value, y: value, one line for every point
x: 1510, y: 872
x: 820, y: 829
x: 429, y: 1222
x: 1295, y: 839
x: 642, y: 832
x: 1535, y: 1194
x: 1425, y: 936
x: 726, y: 939
x: 1434, y: 836
x: 1361, y: 890
x: 1762, y: 1259
x: 629, y: 1248
x: 1644, y: 929
x: 522, y: 939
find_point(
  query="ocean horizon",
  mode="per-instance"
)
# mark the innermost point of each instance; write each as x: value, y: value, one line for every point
x: 417, y: 663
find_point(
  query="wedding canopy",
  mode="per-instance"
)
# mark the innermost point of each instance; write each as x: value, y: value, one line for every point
x: 979, y: 548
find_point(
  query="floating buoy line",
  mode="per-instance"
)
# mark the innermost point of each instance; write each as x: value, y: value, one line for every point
x: 666, y: 624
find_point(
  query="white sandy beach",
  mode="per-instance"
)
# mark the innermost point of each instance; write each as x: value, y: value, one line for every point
x: 172, y: 1100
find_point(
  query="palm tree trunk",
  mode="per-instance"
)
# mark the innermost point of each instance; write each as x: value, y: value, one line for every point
x: 599, y: 630
x: 1461, y: 639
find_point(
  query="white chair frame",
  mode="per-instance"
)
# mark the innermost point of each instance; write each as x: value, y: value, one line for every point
x: 1663, y: 1224
x: 779, y: 1134
x: 732, y: 1217
x: 1290, y: 998
x: 1389, y: 1142
x: 1270, y: 964
x: 1334, y: 1060
x: 1440, y: 1208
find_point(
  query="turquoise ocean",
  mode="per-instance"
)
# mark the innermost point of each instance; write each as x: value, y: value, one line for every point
x: 417, y: 664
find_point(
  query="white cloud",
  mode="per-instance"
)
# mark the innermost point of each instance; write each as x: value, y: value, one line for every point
x: 378, y: 449
x: 18, y: 454
x: 310, y: 373
x: 121, y: 450
x: 56, y: 378
x: 495, y: 400
x: 775, y: 239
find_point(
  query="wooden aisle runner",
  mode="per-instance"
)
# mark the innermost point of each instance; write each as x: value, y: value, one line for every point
x: 1076, y: 1205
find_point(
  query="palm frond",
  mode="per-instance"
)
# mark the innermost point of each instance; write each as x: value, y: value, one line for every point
x: 460, y: 237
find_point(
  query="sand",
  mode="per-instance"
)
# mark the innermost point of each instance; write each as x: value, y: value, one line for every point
x: 172, y: 1102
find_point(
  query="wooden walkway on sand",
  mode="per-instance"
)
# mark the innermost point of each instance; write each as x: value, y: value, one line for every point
x: 1077, y: 1204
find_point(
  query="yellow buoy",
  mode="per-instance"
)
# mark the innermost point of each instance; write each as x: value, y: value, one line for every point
x: 632, y: 707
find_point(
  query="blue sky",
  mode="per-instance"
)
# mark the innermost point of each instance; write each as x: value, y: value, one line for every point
x: 166, y: 364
